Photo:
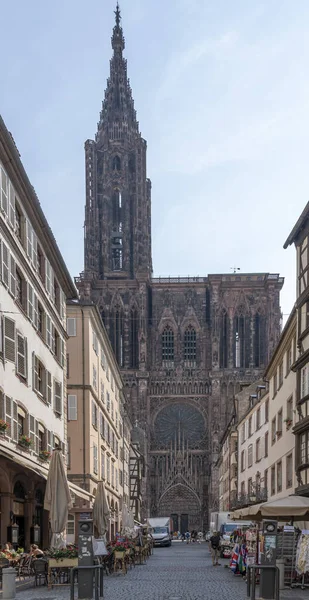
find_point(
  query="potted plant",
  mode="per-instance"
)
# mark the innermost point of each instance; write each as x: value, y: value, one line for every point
x: 63, y: 557
x: 45, y: 455
x: 288, y: 422
x: 25, y: 441
x: 3, y: 426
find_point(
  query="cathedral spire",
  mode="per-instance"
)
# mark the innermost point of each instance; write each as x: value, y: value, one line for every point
x: 117, y: 37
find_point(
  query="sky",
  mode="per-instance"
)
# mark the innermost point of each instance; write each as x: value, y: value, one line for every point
x: 222, y: 94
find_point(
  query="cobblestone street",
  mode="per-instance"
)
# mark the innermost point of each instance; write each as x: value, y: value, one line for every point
x: 182, y: 572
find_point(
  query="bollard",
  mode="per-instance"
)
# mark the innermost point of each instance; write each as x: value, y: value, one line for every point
x: 8, y: 583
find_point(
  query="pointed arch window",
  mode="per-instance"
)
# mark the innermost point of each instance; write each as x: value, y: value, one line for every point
x: 134, y: 338
x: 190, y: 347
x: 242, y: 340
x: 116, y: 209
x: 224, y: 336
x: 259, y: 340
x: 116, y: 163
x: 167, y: 341
x: 117, y: 337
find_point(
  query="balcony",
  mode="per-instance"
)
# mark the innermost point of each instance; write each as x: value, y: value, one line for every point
x: 243, y: 500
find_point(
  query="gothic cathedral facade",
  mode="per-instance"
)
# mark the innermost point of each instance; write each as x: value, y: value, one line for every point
x: 185, y: 345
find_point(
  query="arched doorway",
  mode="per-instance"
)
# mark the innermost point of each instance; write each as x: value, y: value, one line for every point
x: 19, y: 494
x: 183, y: 505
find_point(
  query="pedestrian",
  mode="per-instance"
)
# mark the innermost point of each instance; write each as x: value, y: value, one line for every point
x: 200, y: 537
x: 214, y: 545
x: 188, y: 537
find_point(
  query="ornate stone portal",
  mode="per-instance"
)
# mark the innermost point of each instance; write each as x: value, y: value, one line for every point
x: 185, y: 345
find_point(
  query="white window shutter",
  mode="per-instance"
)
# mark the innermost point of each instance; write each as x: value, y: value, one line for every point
x: 4, y: 184
x: 15, y: 421
x: 34, y: 434
x: 52, y: 331
x: 49, y: 440
x: 30, y: 295
x: 71, y: 327
x: 34, y: 250
x: 5, y: 264
x: 12, y: 207
x: 8, y: 415
x: 72, y: 407
x: 35, y: 310
x: 21, y: 367
x: 13, y: 277
x: 48, y: 331
x: 9, y: 339
x: 29, y: 232
x: 57, y: 397
x: 62, y: 357
x: 48, y: 387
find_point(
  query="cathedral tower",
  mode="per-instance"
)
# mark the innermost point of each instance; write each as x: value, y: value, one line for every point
x: 118, y: 193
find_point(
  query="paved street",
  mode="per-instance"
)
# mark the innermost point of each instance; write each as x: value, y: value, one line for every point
x: 182, y: 572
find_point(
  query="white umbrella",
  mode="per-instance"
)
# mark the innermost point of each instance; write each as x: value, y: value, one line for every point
x: 57, y: 499
x: 290, y: 507
x: 100, y: 511
x: 125, y: 517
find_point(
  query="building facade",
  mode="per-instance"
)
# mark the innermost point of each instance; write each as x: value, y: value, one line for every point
x: 99, y: 429
x: 282, y: 414
x: 185, y: 346
x: 300, y: 237
x: 34, y: 285
x: 227, y: 466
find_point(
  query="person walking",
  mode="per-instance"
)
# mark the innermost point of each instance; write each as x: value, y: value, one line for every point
x: 214, y: 545
x: 188, y: 537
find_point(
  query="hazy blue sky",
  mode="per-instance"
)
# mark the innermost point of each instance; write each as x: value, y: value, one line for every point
x: 222, y: 95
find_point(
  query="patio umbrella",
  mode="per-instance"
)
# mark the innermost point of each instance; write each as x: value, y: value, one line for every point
x: 290, y: 507
x: 100, y: 511
x: 125, y: 517
x: 57, y: 499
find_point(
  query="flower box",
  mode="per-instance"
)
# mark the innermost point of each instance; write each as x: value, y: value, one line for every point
x: 62, y: 562
x: 119, y: 554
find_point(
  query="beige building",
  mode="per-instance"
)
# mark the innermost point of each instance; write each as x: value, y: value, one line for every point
x: 253, y: 446
x: 99, y: 429
x: 282, y: 404
x: 34, y: 286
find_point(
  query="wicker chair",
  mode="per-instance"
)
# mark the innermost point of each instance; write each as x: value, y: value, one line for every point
x: 40, y: 571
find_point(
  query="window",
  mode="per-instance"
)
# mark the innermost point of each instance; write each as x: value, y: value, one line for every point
x: 108, y: 469
x: 39, y: 376
x: 95, y: 459
x: 304, y: 381
x: 71, y: 327
x: 289, y: 412
x: 21, y: 290
x: 279, y: 476
x: 258, y: 418
x: 258, y: 450
x: 243, y: 460
x: 273, y: 431
x: 71, y: 525
x: 34, y: 434
x: 304, y: 448
x: 102, y: 426
x: 250, y: 455
x: 275, y: 387
x: 243, y: 433
x: 289, y: 358
x: 167, y: 340
x: 72, y: 407
x: 94, y: 415
x: 95, y: 344
x: 289, y: 471
x: 266, y: 444
x: 190, y: 346
x: 9, y: 339
x: 18, y: 223
x: 102, y: 465
x: 102, y: 392
x: 250, y: 487
x: 31, y: 244
x: 41, y: 264
x: 21, y: 420
x: 113, y: 475
x: 280, y: 374
x: 57, y: 397
x: 108, y: 402
x: 41, y: 320
x: 49, y: 278
x: 273, y: 481
x: 266, y: 411
x: 250, y: 427
x: 279, y: 424
x: 94, y: 377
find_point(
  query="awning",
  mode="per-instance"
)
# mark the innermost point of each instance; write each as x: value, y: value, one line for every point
x: 42, y: 471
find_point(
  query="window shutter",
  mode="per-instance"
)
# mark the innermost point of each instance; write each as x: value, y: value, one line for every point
x: 52, y: 332
x: 62, y: 359
x: 62, y: 305
x: 2, y: 406
x: 34, y: 434
x: 57, y: 397
x: 35, y: 311
x: 29, y: 239
x: 48, y: 331
x: 15, y: 421
x: 21, y: 356
x: 4, y: 191
x: 5, y: 264
x: 71, y: 327
x: 93, y: 413
x: 49, y: 436
x: 48, y: 387
x: 13, y: 277
x: 8, y: 415
x: 34, y: 371
x: 72, y: 407
x: 12, y: 207
x: 34, y: 250
x: 30, y: 302
x: 9, y: 339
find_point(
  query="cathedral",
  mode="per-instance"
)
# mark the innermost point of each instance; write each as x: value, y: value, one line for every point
x: 185, y: 345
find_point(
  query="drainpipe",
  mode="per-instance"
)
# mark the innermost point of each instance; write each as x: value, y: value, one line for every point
x: 84, y: 410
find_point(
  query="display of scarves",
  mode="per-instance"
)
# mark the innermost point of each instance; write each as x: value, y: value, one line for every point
x: 302, y: 554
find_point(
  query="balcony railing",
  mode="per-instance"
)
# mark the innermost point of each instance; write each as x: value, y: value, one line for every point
x: 243, y: 500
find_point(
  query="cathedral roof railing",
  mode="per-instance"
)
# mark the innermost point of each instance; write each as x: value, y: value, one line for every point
x: 223, y: 277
